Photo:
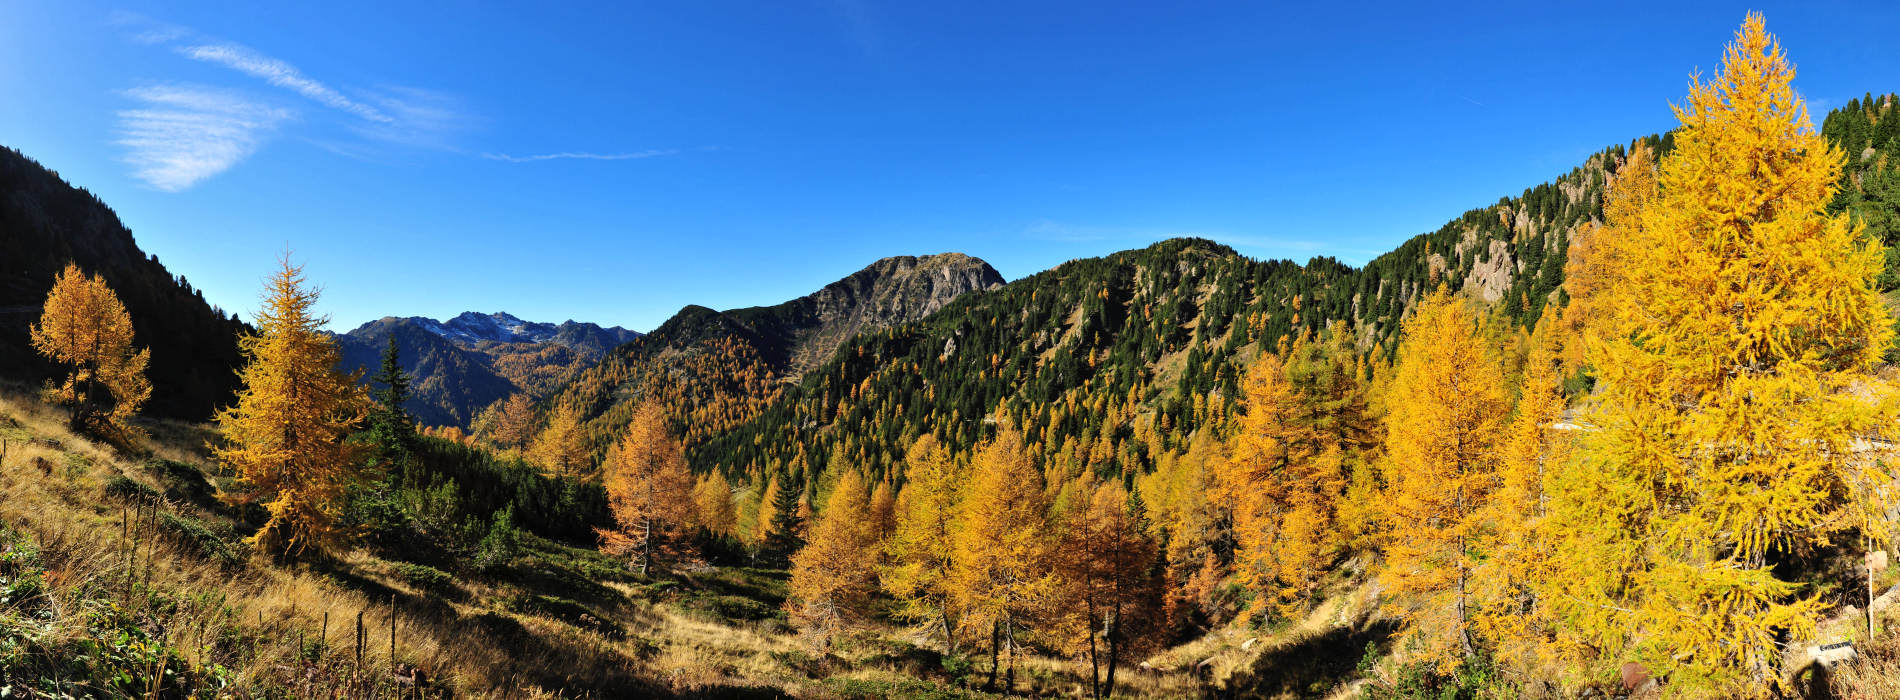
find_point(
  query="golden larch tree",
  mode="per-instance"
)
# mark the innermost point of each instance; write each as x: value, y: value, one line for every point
x: 1734, y: 390
x: 510, y: 423
x: 1300, y: 423
x: 712, y: 496
x: 649, y: 491
x: 1447, y: 409
x: 84, y: 326
x: 922, y: 544
x: 834, y: 575
x: 1197, y: 527
x: 1001, y: 550
x: 1595, y: 257
x: 288, y: 434
x: 1255, y: 479
x: 1331, y: 418
x: 1509, y: 613
x: 882, y: 511
x: 561, y: 448
x: 1111, y: 601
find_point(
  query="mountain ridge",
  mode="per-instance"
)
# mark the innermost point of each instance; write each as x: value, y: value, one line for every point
x: 728, y: 362
x: 472, y: 360
x: 471, y: 327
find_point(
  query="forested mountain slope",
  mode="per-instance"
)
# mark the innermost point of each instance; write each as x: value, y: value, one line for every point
x: 1868, y: 132
x: 1096, y: 353
x: 46, y: 223
x: 716, y: 369
x: 1088, y: 347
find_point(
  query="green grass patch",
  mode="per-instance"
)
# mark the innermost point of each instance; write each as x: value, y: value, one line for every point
x: 909, y: 688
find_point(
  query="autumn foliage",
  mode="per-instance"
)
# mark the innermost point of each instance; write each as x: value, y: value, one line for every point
x: 649, y: 490
x: 1647, y: 465
x: 1735, y: 363
x: 288, y: 434
x: 835, y: 574
x: 1447, y: 414
x: 561, y: 447
x: 83, y: 326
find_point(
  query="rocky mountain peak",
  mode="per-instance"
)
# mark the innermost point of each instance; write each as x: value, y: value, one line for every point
x: 887, y: 292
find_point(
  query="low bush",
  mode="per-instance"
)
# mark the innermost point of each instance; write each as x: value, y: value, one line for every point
x: 128, y: 490
x: 424, y: 577
x: 199, y: 539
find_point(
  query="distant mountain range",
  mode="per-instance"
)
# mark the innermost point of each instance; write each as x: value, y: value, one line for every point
x: 465, y: 363
x: 471, y: 329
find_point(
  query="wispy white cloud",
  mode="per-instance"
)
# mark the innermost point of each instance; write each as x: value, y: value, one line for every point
x: 145, y: 30
x: 635, y: 155
x: 418, y: 117
x: 161, y: 136
x: 172, y: 121
x: 280, y: 74
x: 182, y: 134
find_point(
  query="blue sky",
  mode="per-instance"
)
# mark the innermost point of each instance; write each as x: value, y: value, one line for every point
x: 613, y: 163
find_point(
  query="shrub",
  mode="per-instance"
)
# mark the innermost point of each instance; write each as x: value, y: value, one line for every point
x: 128, y: 490
x: 727, y: 608
x: 501, y: 544
x: 184, y: 481
x: 198, y: 539
x: 425, y: 577
x: 1476, y: 679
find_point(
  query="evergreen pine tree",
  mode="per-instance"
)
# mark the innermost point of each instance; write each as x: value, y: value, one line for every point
x: 785, y: 534
x: 392, y: 430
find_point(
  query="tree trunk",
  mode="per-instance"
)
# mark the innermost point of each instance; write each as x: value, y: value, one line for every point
x: 646, y: 546
x: 949, y: 633
x: 996, y: 637
x: 1009, y: 679
x: 1095, y: 665
x: 1464, y: 629
x: 1111, y: 632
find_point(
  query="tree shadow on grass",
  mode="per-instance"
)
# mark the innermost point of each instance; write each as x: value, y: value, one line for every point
x: 1312, y: 665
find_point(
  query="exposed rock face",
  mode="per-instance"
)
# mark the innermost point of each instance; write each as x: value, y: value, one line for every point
x: 1491, y: 277
x: 885, y: 293
x: 799, y: 334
